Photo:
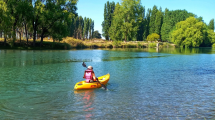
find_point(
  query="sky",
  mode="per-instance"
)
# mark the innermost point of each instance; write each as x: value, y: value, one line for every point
x: 94, y: 9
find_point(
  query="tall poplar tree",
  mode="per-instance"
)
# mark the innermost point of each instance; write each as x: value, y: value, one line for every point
x: 115, y: 29
x: 158, y: 22
x: 85, y: 28
x: 141, y: 24
x: 211, y: 24
x: 108, y: 17
x: 146, y: 25
x: 105, y: 22
x: 92, y: 28
x: 152, y: 24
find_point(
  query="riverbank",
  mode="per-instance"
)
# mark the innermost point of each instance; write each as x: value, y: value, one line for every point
x: 71, y: 43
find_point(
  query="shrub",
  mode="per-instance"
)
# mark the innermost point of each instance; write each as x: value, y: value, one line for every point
x: 153, y: 37
x: 152, y: 45
x: 117, y: 43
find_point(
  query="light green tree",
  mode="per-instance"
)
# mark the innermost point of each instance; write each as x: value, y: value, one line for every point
x: 125, y: 21
x: 211, y: 37
x: 153, y: 37
x: 189, y: 33
x: 5, y: 20
x: 115, y: 29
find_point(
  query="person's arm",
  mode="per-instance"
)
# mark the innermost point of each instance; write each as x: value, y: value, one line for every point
x: 94, y: 77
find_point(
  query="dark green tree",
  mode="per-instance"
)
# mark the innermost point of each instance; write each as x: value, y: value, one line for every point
x: 85, y: 28
x: 152, y: 24
x: 171, y: 18
x: 92, y: 28
x: 146, y: 24
x: 141, y: 24
x: 158, y: 22
x: 96, y: 34
x: 108, y: 16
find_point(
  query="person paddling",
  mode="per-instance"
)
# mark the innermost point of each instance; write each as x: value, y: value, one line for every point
x: 89, y: 75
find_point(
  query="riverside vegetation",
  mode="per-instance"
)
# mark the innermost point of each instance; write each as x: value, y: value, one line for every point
x: 124, y: 23
x: 72, y: 43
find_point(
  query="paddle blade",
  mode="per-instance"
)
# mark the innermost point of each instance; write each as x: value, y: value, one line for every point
x: 104, y: 86
x: 83, y: 64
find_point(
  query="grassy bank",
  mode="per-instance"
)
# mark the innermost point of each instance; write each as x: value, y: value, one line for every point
x: 71, y: 43
x: 100, y: 43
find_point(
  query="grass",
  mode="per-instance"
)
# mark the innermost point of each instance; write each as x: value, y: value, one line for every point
x: 70, y: 43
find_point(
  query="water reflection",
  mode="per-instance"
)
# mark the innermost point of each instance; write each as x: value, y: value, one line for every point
x: 187, y: 51
x: 87, y: 98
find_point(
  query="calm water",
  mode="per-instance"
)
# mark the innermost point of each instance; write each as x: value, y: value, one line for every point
x: 144, y: 84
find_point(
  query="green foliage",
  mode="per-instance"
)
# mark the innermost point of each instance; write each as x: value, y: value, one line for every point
x: 152, y: 45
x: 152, y: 24
x: 188, y: 33
x: 117, y: 43
x: 211, y: 24
x: 213, y: 45
x: 211, y: 36
x: 126, y: 18
x: 171, y: 18
x: 158, y: 22
x: 108, y: 17
x: 42, y: 18
x: 90, y: 30
x: 153, y: 37
x: 96, y: 34
x: 146, y: 24
x: 141, y: 25
x: 115, y: 29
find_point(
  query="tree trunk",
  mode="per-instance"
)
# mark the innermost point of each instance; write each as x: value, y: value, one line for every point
x: 34, y: 35
x: 26, y: 34
x: 20, y: 38
x: 34, y: 23
x: 41, y: 42
x: 13, y: 36
x: 125, y: 36
x: 5, y: 39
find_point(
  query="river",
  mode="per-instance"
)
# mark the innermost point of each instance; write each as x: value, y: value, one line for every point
x: 144, y: 84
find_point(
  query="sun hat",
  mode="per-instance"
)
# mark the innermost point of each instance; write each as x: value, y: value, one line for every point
x: 90, y: 67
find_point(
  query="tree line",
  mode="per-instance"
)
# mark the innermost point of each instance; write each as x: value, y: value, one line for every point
x: 129, y: 21
x: 42, y: 18
x: 83, y: 28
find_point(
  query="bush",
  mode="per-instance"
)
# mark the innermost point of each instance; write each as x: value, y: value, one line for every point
x: 153, y: 37
x: 152, y: 45
x: 117, y: 43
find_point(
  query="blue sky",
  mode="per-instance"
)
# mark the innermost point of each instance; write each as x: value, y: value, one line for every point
x: 94, y: 9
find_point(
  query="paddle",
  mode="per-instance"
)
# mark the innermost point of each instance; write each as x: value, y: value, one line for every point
x: 84, y: 65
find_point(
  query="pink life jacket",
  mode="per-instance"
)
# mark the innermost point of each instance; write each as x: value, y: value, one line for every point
x: 88, y: 75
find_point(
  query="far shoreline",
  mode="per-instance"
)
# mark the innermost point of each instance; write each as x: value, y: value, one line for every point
x: 71, y: 43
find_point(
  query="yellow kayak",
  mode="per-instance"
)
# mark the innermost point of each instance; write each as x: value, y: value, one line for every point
x: 84, y: 85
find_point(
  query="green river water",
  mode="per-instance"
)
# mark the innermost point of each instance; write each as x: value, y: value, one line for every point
x: 144, y: 84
